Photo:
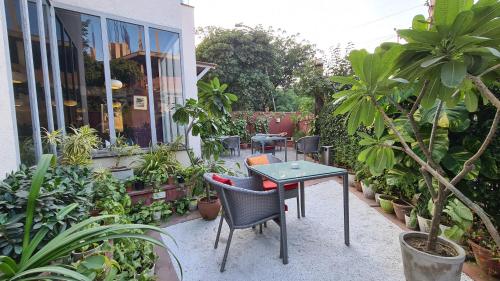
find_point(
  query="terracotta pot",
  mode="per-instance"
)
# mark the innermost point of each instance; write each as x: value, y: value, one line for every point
x: 171, y: 180
x: 485, y: 260
x: 209, y: 210
x: 357, y: 184
x: 401, y: 208
x: 421, y: 266
x: 386, y: 203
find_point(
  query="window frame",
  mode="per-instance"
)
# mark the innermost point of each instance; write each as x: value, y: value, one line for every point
x: 56, y: 72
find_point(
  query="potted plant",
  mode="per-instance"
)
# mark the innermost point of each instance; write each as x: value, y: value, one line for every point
x: 362, y: 173
x: 76, y: 147
x: 386, y: 203
x: 366, y: 187
x: 486, y: 252
x: 415, y: 98
x: 411, y: 220
x: 122, y: 149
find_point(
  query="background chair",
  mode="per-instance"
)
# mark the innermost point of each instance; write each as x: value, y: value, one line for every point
x: 244, y: 205
x: 291, y: 189
x: 307, y: 145
x: 232, y: 143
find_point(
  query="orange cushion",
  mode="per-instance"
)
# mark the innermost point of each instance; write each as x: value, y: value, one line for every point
x: 269, y: 185
x: 220, y: 179
x: 258, y: 160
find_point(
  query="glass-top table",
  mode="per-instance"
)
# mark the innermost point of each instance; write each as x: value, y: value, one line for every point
x: 267, y: 138
x: 301, y: 171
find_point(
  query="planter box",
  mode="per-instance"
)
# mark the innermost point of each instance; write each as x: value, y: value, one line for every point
x: 167, y: 192
x: 122, y: 173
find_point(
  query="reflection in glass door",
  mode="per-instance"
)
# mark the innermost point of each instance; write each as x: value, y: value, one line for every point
x: 167, y: 82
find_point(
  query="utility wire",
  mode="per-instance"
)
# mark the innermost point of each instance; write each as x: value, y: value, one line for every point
x: 388, y: 16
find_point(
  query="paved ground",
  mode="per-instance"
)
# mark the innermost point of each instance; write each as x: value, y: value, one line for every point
x: 316, y: 247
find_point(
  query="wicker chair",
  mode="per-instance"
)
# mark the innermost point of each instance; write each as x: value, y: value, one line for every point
x: 307, y: 145
x: 269, y: 146
x: 244, y: 205
x: 291, y: 190
x: 232, y: 143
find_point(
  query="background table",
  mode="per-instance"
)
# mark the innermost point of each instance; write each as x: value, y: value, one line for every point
x: 262, y: 139
x: 283, y: 173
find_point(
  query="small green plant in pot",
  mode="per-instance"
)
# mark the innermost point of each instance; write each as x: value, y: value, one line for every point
x: 122, y: 149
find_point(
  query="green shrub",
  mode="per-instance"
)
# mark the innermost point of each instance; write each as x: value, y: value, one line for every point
x: 333, y: 131
x: 62, y: 186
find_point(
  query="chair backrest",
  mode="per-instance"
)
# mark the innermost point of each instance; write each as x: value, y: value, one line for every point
x: 308, y: 144
x: 231, y: 142
x: 238, y: 210
x: 270, y: 158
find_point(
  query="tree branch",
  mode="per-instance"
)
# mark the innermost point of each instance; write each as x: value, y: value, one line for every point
x: 469, y: 203
x: 469, y: 164
x: 489, y: 70
x: 484, y: 90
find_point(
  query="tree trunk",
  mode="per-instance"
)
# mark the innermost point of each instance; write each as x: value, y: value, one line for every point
x: 436, y: 219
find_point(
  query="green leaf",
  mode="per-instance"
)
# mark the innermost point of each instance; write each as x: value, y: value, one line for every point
x: 453, y: 73
x: 455, y: 159
x: 419, y: 23
x: 346, y: 105
x: 344, y: 80
x: 357, y: 58
x: 454, y: 233
x: 379, y: 124
x: 420, y: 36
x: 493, y: 51
x: 461, y: 23
x: 471, y: 101
x: 441, y: 143
x: 432, y: 61
x: 372, y: 69
x: 445, y: 11
x: 354, y: 120
x: 54, y: 270
x: 433, y: 89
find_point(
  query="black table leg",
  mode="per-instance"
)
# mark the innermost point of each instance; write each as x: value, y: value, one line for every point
x: 346, y: 208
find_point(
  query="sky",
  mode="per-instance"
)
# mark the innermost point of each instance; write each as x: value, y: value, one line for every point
x: 325, y: 23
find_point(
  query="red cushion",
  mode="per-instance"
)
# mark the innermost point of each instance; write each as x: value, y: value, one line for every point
x: 220, y: 179
x: 269, y: 185
x: 268, y: 147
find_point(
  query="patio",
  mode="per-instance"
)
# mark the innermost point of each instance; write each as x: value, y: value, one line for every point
x: 316, y: 245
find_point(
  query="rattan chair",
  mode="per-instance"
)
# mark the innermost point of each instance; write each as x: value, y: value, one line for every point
x: 244, y: 205
x: 307, y: 145
x: 232, y: 143
x: 289, y: 193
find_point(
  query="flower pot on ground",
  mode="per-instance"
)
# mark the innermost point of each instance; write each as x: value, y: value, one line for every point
x: 424, y: 224
x: 401, y: 208
x: 409, y: 224
x: 377, y: 198
x: 367, y: 191
x: 485, y: 259
x: 193, y: 204
x: 209, y: 208
x: 444, y: 265
x: 357, y: 185
x: 386, y: 203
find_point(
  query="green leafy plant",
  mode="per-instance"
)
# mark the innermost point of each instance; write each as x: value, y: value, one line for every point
x: 144, y: 214
x: 204, y: 117
x: 461, y: 217
x: 122, y: 149
x: 159, y: 163
x: 181, y: 206
x: 62, y: 186
x: 76, y: 147
x: 448, y: 61
x: 44, y: 261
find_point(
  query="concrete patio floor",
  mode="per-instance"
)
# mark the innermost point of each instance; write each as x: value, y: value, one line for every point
x: 316, y: 247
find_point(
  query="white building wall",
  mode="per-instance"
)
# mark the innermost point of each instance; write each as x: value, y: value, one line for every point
x: 168, y: 13
x: 9, y: 150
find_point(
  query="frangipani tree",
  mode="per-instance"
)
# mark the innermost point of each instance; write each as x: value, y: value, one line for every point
x: 416, y: 93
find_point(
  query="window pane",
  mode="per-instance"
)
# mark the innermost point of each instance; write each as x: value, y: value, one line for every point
x: 82, y: 71
x: 19, y: 77
x: 129, y: 82
x: 167, y: 82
